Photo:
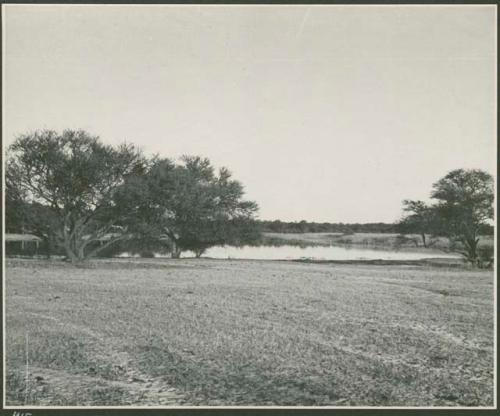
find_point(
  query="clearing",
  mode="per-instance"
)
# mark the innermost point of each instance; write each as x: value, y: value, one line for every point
x: 220, y: 332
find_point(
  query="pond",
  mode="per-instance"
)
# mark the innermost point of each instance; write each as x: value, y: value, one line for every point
x: 289, y: 252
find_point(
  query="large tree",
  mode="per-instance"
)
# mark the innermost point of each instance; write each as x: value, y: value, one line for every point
x: 464, y: 206
x: 191, y: 206
x: 70, y: 179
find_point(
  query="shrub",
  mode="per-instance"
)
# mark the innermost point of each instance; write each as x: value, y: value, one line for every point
x: 485, y: 256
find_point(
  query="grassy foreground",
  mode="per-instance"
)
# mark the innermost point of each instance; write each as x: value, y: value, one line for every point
x: 218, y: 332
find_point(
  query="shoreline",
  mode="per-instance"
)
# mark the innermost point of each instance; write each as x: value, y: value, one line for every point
x: 456, y: 263
x: 431, y: 261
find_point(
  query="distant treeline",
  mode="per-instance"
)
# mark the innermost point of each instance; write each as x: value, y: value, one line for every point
x: 278, y: 226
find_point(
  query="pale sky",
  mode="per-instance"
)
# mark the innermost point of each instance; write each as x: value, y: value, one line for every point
x: 324, y: 113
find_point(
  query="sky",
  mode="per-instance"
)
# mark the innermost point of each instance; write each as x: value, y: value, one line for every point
x: 324, y: 113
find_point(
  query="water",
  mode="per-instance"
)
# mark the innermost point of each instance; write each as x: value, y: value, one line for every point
x: 288, y: 252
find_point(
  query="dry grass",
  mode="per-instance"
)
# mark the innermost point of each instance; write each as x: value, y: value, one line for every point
x: 209, y: 332
x: 384, y: 240
x: 373, y: 240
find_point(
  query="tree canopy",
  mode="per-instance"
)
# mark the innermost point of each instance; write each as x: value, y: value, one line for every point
x: 68, y: 183
x: 83, y: 195
x: 419, y: 219
x: 464, y: 205
x: 462, y: 210
x: 190, y: 205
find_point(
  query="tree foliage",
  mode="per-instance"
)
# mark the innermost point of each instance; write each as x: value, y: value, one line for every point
x: 463, y: 209
x: 190, y: 205
x: 419, y: 219
x: 66, y: 184
x: 464, y: 205
x: 278, y: 226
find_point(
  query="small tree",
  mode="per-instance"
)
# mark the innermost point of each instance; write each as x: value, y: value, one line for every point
x: 464, y: 206
x: 419, y: 219
x: 70, y: 179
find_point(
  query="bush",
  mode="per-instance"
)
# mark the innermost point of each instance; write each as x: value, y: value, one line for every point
x: 485, y: 256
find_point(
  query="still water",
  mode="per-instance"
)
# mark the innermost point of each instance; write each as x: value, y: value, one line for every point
x: 316, y: 252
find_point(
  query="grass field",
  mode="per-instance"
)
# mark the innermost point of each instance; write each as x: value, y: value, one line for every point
x: 209, y: 332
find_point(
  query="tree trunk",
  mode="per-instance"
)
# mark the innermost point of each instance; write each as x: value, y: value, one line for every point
x: 176, y: 250
x: 471, y: 250
x: 70, y: 253
x: 423, y: 240
x: 81, y: 253
x: 67, y: 239
x: 48, y: 246
x: 74, y: 253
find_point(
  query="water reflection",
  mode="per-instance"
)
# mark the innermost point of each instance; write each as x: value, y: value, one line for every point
x: 289, y: 252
